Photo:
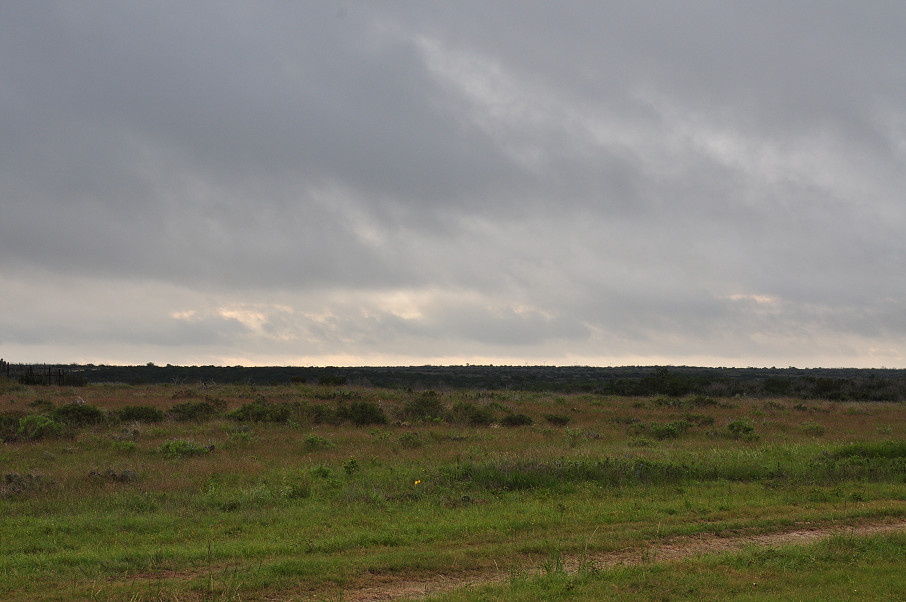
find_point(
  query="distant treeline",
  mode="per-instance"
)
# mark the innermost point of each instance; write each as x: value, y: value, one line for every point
x: 837, y: 384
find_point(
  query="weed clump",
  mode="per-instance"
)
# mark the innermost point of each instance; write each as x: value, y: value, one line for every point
x: 410, y: 440
x: 321, y: 471
x: 175, y: 449
x: 669, y: 430
x: 314, y: 442
x: 812, y: 428
x: 742, y: 428
x: 295, y: 486
x: 124, y: 446
x: 38, y: 426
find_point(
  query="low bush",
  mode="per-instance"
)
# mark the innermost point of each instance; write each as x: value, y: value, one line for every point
x: 314, y: 442
x: 361, y: 413
x: 465, y: 412
x: 321, y: 413
x: 124, y: 446
x: 118, y: 476
x: 516, y: 420
x: 295, y: 486
x: 262, y: 411
x: 78, y: 414
x: 426, y: 406
x: 668, y: 430
x: 9, y: 425
x: 699, y: 419
x: 180, y: 448
x: 557, y: 419
x: 38, y: 426
x: 193, y: 410
x: 812, y: 428
x: 321, y: 471
x: 742, y: 428
x: 14, y: 484
x: 410, y: 440
x: 140, y: 414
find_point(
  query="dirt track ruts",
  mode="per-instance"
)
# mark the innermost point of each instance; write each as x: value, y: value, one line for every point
x: 677, y: 548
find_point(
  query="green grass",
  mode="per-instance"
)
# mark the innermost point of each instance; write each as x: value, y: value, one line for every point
x: 839, y: 568
x: 304, y: 492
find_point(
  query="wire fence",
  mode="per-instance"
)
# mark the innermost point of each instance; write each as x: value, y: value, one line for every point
x: 43, y: 374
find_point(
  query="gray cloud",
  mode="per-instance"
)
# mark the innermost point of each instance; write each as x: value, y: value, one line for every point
x: 402, y: 183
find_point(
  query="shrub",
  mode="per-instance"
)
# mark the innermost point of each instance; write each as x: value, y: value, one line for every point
x: 180, y: 448
x: 141, y: 414
x: 424, y: 407
x: 295, y: 486
x: 812, y: 428
x: 742, y: 428
x: 78, y: 414
x: 465, y: 412
x: 193, y: 410
x: 314, y: 442
x: 699, y: 401
x: 31, y: 378
x: 38, y: 426
x: 574, y: 436
x: 18, y: 484
x: 699, y: 419
x: 321, y: 471
x: 123, y: 476
x: 262, y: 411
x: 350, y: 466
x: 361, y: 413
x: 9, y: 425
x: 557, y: 419
x: 321, y: 414
x: 516, y: 420
x: 124, y: 446
x: 410, y: 440
x: 669, y: 430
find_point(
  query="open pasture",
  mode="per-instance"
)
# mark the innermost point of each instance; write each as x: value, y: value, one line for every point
x: 241, y: 492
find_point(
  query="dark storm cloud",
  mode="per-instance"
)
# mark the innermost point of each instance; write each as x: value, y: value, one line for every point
x: 363, y: 181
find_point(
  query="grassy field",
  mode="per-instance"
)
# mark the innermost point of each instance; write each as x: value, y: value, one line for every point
x: 206, y: 492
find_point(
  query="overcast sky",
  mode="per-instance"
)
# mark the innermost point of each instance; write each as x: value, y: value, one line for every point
x: 397, y: 183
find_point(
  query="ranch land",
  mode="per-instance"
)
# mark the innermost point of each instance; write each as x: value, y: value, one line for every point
x: 339, y: 492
